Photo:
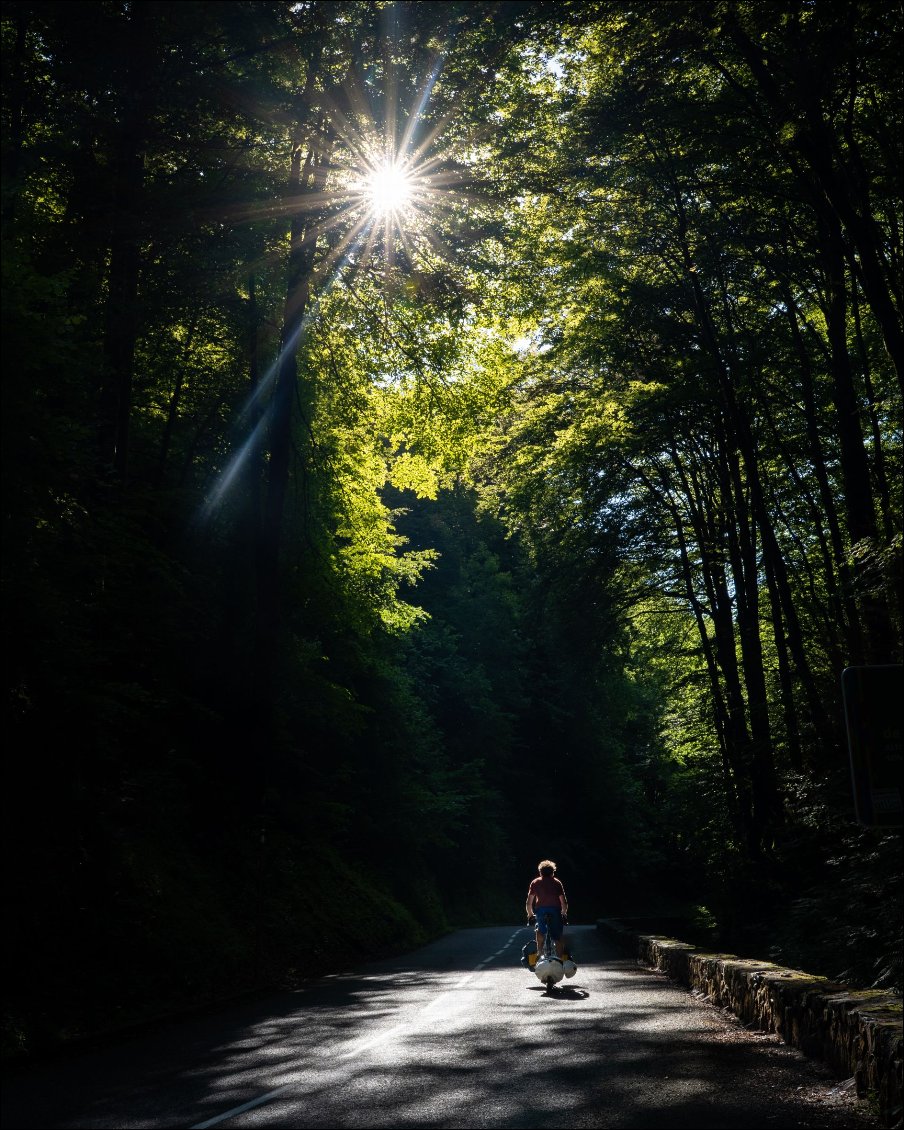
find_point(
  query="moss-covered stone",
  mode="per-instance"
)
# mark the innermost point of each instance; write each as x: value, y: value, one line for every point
x: 856, y: 1031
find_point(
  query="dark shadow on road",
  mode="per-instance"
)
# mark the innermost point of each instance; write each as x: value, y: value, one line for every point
x: 406, y: 1045
x: 568, y: 993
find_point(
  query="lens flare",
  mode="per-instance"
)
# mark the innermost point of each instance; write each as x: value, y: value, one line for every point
x: 376, y: 197
x: 389, y: 188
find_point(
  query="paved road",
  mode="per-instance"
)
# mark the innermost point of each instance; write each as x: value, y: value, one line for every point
x: 456, y: 1035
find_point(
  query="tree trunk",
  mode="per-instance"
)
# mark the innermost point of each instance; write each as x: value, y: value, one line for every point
x: 745, y: 573
x: 304, y: 232
x: 842, y: 596
x: 879, y: 473
x: 736, y: 790
x: 858, y: 496
x: 710, y: 544
x: 121, y: 319
x: 12, y: 151
x: 741, y: 542
x: 173, y: 407
x: 816, y: 144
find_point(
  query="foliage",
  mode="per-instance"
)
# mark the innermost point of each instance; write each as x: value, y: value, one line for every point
x: 381, y: 560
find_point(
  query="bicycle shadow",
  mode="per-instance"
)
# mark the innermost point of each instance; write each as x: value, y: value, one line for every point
x: 567, y: 993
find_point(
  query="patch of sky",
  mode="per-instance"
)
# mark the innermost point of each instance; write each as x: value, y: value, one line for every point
x: 530, y: 343
x: 393, y: 378
x: 554, y: 64
x: 543, y: 65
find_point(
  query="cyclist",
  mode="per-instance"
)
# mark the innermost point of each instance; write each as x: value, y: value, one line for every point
x: 546, y: 895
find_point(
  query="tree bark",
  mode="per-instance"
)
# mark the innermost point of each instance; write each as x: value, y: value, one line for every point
x: 121, y: 318
x: 813, y: 140
x: 879, y: 473
x: 172, y: 413
x: 741, y: 543
x: 12, y: 152
x: 841, y: 594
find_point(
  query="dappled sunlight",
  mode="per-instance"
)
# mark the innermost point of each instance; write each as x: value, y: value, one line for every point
x: 430, y: 1045
x: 450, y: 1044
x: 486, y: 1073
x: 410, y: 404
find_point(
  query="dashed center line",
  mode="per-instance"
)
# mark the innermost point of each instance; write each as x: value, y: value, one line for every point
x: 350, y: 1053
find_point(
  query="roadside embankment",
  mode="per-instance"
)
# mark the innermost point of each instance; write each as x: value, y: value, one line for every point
x: 857, y: 1032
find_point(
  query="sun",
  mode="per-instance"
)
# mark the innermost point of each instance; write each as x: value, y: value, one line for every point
x: 389, y: 189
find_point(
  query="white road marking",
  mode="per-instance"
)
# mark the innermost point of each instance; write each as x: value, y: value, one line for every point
x: 350, y: 1053
x: 259, y: 1101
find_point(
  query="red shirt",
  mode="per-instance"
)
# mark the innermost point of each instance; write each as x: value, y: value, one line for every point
x: 545, y: 890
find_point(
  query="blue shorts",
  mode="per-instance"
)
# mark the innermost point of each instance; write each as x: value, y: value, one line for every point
x: 555, y: 921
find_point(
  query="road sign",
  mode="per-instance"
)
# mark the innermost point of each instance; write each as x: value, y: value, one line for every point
x: 872, y: 712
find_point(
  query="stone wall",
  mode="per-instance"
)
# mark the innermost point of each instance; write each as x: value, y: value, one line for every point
x: 857, y: 1032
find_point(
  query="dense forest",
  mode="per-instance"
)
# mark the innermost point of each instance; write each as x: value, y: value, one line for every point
x: 439, y: 436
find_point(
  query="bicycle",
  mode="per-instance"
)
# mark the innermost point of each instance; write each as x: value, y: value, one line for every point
x: 550, y: 968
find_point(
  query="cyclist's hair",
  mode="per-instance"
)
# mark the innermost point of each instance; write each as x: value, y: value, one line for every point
x: 546, y: 867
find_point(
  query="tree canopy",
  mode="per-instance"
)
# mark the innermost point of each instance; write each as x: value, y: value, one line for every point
x: 439, y: 436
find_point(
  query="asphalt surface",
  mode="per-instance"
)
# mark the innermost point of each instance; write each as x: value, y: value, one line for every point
x: 455, y: 1035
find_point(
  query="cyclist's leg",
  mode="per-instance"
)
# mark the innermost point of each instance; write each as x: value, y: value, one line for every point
x: 559, y: 938
x: 556, y: 929
x: 538, y: 929
x: 549, y: 924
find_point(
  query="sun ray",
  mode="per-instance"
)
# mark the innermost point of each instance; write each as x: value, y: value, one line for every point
x: 415, y: 118
x: 228, y: 476
x: 429, y: 139
x: 342, y: 251
x: 388, y: 188
x: 390, y: 47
